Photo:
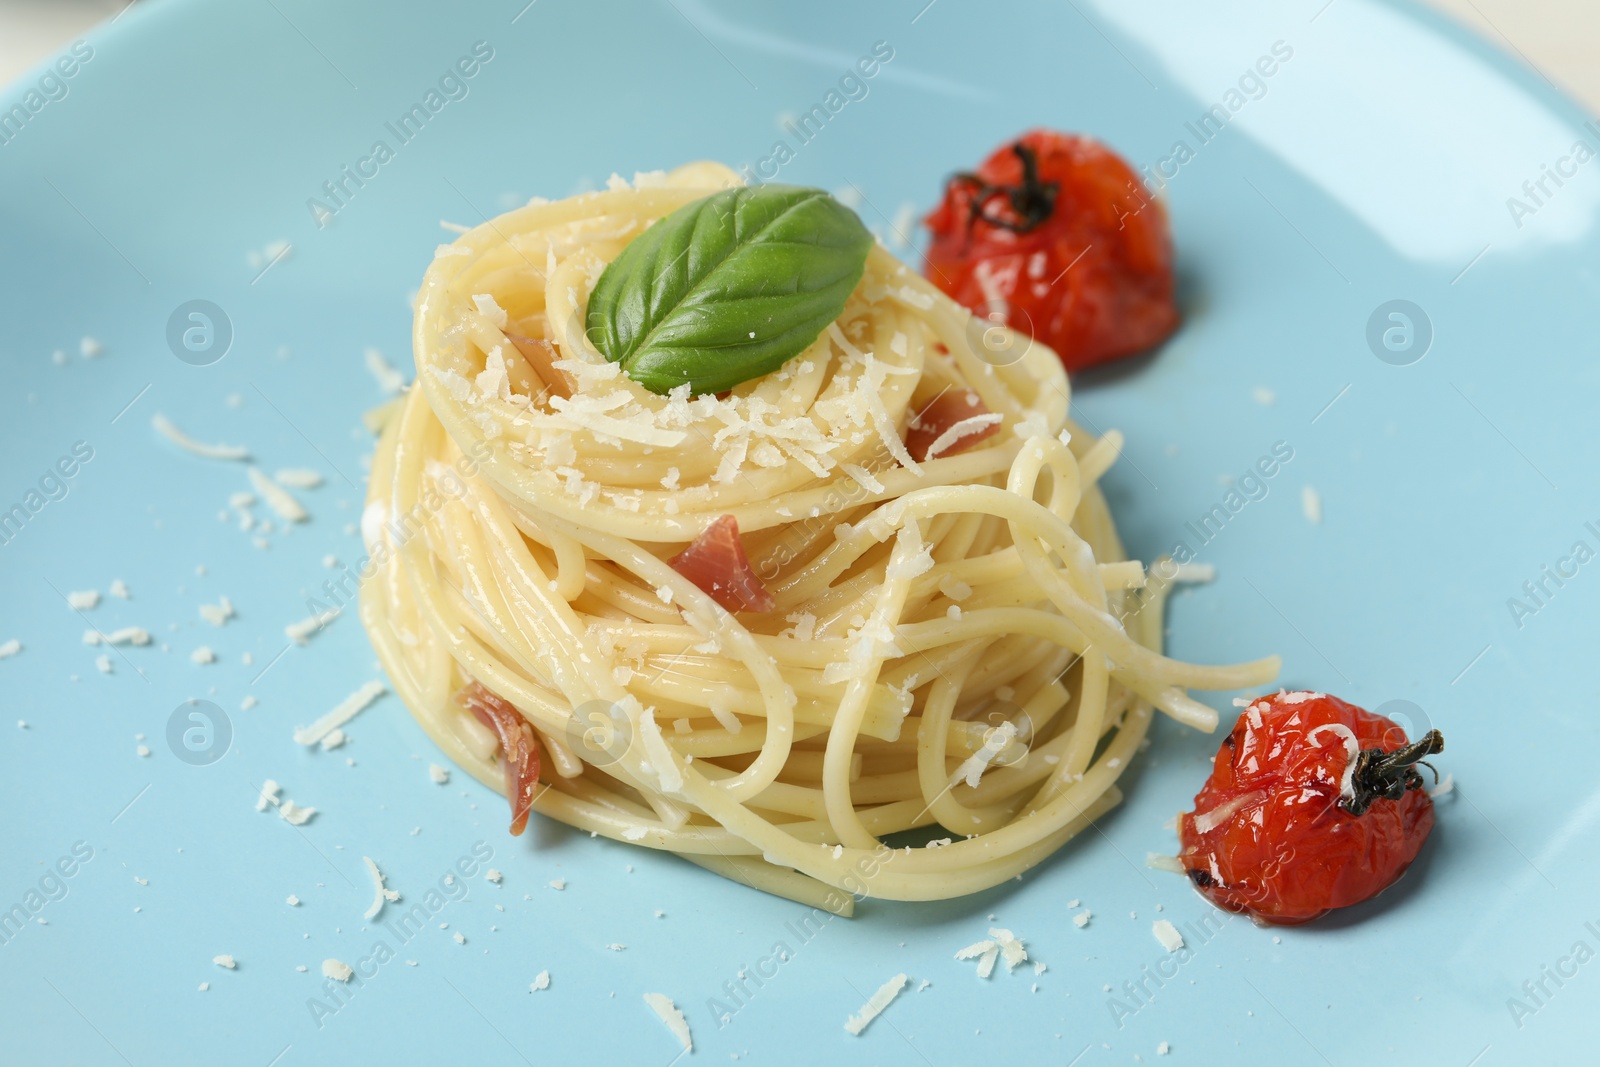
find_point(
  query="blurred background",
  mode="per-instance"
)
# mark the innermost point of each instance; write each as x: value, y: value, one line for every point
x: 1558, y: 38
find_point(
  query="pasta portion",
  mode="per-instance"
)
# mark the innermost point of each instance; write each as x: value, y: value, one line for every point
x: 954, y: 640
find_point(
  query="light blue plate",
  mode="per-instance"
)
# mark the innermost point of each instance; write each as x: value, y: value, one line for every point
x: 1373, y: 164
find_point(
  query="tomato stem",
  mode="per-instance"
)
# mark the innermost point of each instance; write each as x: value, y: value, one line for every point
x: 1032, y: 201
x: 1381, y: 775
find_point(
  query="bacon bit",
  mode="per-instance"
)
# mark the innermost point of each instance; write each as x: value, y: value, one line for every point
x: 939, y: 415
x: 517, y: 744
x: 541, y: 356
x: 717, y: 564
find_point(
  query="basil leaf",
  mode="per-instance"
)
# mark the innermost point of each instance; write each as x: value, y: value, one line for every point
x: 728, y: 288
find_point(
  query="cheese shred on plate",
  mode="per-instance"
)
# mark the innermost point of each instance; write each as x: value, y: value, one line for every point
x: 298, y: 478
x: 269, y: 794
x: 380, y: 892
x: 343, y: 712
x: 389, y: 380
x: 1167, y: 934
x: 875, y: 1004
x: 279, y: 499
x: 668, y: 1012
x: 294, y: 814
x: 166, y: 429
x: 300, y: 632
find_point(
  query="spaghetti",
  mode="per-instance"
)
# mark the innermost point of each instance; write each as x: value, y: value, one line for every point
x: 956, y: 641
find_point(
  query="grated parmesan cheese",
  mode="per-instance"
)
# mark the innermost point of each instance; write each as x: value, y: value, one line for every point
x: 203, y: 655
x: 986, y: 953
x: 863, y: 477
x: 165, y: 428
x: 298, y: 478
x: 218, y: 613
x: 1011, y: 949
x: 268, y: 794
x: 1157, y: 861
x: 540, y: 981
x: 277, y: 497
x: 485, y: 303
x: 995, y: 741
x: 661, y: 759
x: 224, y: 960
x: 300, y: 632
x: 1196, y: 573
x: 294, y: 814
x: 343, y: 712
x: 10, y: 648
x: 438, y: 774
x: 1205, y: 822
x: 338, y: 970
x: 128, y: 635
x: 380, y: 893
x: 83, y: 601
x: 1352, y: 748
x: 875, y: 1004
x: 118, y: 589
x: 389, y: 380
x: 965, y: 428
x: 1167, y: 934
x: 668, y: 1013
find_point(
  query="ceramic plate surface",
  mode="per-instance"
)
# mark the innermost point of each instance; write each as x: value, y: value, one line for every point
x: 1387, y: 157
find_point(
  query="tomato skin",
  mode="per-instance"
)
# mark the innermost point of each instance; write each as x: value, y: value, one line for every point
x: 1290, y: 853
x: 1117, y: 297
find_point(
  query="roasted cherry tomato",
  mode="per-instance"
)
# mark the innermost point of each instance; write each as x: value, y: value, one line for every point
x: 1312, y: 804
x: 1056, y: 236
